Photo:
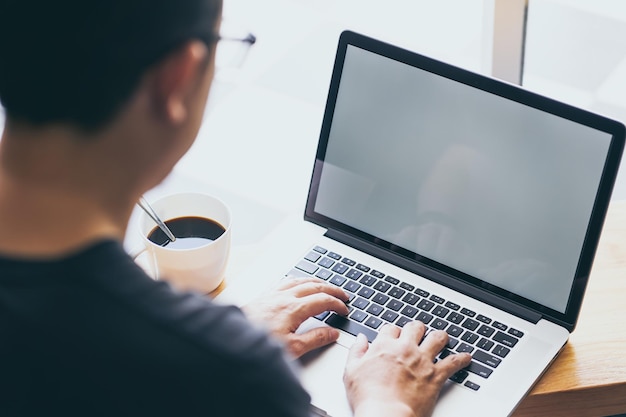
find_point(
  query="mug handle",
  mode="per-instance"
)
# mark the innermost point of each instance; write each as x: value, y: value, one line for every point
x: 152, y: 269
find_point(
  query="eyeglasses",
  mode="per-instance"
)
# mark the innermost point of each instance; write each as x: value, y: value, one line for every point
x: 232, y: 50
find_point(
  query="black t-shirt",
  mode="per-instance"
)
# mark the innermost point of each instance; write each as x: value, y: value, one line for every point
x: 93, y: 335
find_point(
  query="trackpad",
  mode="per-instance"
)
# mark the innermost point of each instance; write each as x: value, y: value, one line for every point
x: 322, y: 375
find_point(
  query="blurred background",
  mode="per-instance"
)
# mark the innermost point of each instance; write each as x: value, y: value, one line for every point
x: 571, y: 50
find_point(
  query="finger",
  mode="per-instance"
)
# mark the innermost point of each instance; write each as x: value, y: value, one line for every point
x: 454, y: 363
x: 299, y: 344
x: 314, y: 304
x: 312, y: 287
x: 413, y: 332
x: 389, y: 331
x: 434, y: 342
x: 358, y: 349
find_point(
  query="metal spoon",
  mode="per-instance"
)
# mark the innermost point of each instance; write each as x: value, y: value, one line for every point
x: 150, y: 212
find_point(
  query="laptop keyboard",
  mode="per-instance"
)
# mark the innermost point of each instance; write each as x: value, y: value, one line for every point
x: 377, y: 298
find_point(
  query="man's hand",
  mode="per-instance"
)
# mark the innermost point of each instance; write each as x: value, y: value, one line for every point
x: 396, y: 374
x: 283, y: 310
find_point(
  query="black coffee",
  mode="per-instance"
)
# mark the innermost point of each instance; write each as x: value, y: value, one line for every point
x: 191, y: 232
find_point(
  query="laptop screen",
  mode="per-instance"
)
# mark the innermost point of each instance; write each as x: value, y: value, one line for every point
x: 440, y: 170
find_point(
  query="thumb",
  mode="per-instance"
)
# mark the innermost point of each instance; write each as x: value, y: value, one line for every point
x: 313, y: 339
x: 358, y: 349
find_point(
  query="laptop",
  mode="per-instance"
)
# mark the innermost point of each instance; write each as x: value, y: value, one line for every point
x: 441, y: 195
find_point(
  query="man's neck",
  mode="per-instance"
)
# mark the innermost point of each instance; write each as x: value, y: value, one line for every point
x: 56, y: 200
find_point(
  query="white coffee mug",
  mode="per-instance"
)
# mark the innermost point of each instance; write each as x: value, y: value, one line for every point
x: 198, y: 267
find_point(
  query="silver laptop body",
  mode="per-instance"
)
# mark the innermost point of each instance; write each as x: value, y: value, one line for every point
x: 462, y: 194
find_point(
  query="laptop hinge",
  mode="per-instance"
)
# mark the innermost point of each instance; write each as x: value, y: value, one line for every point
x: 436, y: 276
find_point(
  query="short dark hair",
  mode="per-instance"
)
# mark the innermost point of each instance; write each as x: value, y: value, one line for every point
x: 79, y: 61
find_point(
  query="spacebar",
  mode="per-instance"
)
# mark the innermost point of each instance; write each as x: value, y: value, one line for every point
x: 351, y: 327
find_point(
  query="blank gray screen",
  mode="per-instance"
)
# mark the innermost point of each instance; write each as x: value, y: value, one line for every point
x: 485, y: 185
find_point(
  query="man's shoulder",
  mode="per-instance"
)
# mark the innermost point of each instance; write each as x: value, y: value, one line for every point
x: 191, y: 318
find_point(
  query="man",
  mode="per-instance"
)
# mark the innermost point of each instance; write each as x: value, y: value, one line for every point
x: 102, y: 99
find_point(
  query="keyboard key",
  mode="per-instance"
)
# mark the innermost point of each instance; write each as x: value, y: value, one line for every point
x: 455, y: 331
x: 486, y: 358
x: 464, y: 347
x: 358, y: 315
x: 326, y: 262
x: 437, y: 299
x: 468, y: 312
x: 375, y: 309
x: 349, y: 326
x: 296, y: 273
x: 472, y: 385
x: 470, y: 324
x: 422, y: 293
x: 324, y: 274
x: 424, y: 317
x: 377, y: 274
x: 322, y: 315
x: 407, y: 286
x: 445, y: 353
x: 313, y: 257
x: 396, y: 292
x: 439, y: 324
x: 380, y: 298
x: 515, y: 332
x: 390, y: 316
x: 452, y: 306
x: 363, y: 268
x: 410, y: 298
x: 440, y: 311
x: 469, y: 337
x: 484, y: 319
x: 348, y: 261
x: 426, y: 305
x: 373, y: 322
x: 486, y: 331
x: 395, y: 305
x: 409, y: 311
x: 334, y: 255
x: 485, y: 344
x: 500, y: 326
x: 338, y: 280
x: 307, y: 267
x: 368, y: 280
x: 352, y: 286
x: 392, y: 280
x: 479, y: 369
x: 460, y: 376
x: 360, y: 303
x: 505, y: 339
x: 501, y: 351
x: 320, y: 249
x: 456, y: 318
x: 339, y: 268
x: 366, y: 292
x: 452, y: 342
x: 402, y: 321
x: 382, y: 286
x: 354, y: 274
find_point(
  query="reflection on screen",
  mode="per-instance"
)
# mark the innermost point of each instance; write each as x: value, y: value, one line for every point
x: 490, y: 187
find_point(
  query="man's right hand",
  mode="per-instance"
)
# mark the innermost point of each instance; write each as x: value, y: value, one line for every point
x: 396, y: 375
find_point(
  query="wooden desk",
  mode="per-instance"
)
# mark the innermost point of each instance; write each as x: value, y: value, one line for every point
x: 588, y: 378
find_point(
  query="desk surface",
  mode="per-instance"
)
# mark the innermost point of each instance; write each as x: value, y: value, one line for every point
x: 588, y: 378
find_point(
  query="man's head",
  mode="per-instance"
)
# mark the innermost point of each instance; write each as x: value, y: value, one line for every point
x: 77, y: 62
